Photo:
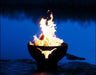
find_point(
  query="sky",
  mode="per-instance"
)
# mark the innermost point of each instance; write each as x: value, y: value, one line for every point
x: 16, y: 33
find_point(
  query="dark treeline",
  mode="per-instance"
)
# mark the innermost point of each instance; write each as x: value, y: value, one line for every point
x: 62, y: 9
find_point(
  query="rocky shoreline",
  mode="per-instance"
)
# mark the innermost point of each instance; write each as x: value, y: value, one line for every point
x: 27, y: 66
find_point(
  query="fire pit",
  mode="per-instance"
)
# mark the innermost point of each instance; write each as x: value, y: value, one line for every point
x: 48, y: 49
x: 51, y: 62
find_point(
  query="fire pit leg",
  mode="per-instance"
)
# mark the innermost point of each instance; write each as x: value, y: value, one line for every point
x: 46, y: 67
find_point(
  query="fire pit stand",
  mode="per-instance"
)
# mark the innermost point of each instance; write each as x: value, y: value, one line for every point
x: 46, y: 66
x: 53, y: 58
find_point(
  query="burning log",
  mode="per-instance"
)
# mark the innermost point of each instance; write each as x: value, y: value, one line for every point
x: 42, y: 37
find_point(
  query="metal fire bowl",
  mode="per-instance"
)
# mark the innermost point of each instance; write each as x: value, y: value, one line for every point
x: 53, y: 58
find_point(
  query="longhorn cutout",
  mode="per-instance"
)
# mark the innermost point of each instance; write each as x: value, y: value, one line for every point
x: 46, y: 52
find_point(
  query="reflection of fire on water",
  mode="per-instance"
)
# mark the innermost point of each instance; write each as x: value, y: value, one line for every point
x: 47, y: 37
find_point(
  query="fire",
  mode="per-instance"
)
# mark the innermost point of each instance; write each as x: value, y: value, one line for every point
x: 47, y: 37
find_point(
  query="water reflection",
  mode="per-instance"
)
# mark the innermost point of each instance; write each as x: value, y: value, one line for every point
x: 42, y: 73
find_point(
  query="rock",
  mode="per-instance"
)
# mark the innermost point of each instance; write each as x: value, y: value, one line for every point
x: 78, y: 68
x: 72, y: 57
x: 23, y: 67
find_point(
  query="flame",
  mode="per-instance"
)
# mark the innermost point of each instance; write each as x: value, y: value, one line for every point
x: 47, y: 37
